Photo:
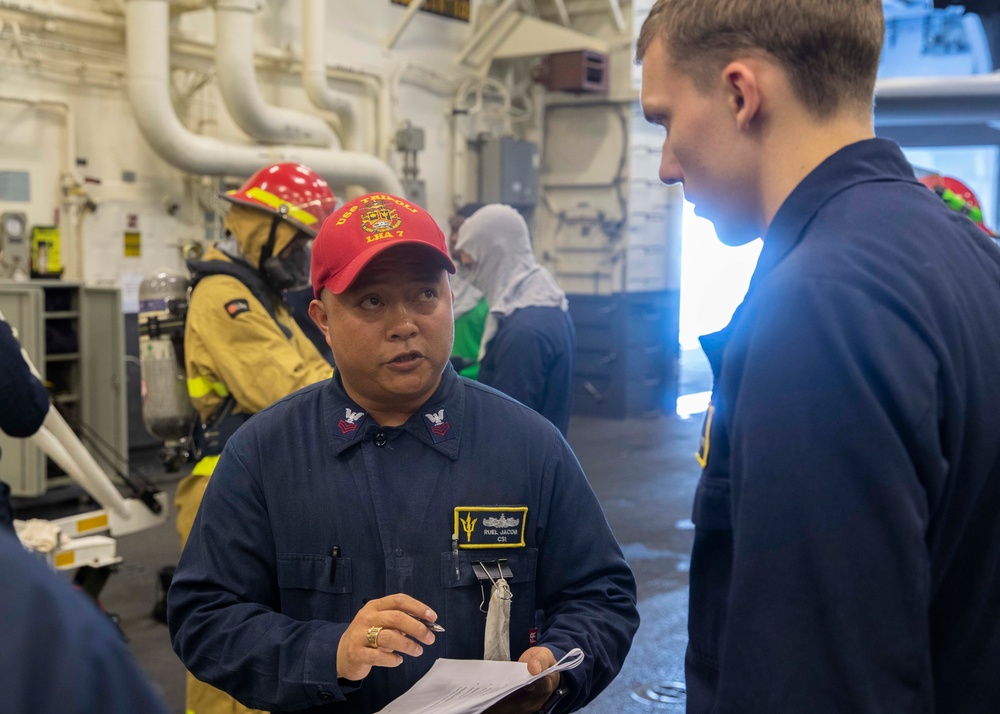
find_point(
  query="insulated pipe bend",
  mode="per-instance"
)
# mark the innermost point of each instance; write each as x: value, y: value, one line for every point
x: 314, y: 71
x: 148, y: 62
x: 237, y: 78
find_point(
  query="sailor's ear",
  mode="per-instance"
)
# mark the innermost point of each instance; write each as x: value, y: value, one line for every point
x: 317, y: 312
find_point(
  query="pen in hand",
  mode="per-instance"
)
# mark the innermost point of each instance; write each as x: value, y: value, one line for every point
x: 432, y: 626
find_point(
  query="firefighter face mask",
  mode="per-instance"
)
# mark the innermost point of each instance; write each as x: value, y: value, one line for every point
x: 289, y: 270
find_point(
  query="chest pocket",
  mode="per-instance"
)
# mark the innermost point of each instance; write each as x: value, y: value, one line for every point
x: 711, y: 510
x: 312, y: 588
x: 463, y: 597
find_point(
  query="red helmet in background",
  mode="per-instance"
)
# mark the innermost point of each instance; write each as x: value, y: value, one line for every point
x: 291, y: 191
x: 948, y: 188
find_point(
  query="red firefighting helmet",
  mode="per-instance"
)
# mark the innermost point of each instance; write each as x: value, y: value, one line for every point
x: 292, y: 191
x: 939, y: 182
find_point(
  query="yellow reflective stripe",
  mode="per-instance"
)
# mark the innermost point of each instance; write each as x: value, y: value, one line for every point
x: 206, y: 466
x: 276, y: 203
x: 198, y: 387
x: 706, y: 436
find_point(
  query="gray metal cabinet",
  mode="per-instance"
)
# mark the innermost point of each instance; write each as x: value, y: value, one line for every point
x: 75, y: 337
x: 626, y: 353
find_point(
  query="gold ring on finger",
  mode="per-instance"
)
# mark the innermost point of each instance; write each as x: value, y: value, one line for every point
x: 373, y: 636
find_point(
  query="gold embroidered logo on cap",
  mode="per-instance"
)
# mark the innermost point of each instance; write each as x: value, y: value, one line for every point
x: 379, y: 217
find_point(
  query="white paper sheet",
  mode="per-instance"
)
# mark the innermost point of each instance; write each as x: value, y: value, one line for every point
x: 464, y: 686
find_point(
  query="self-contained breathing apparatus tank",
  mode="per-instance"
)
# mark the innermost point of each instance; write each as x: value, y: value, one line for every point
x: 166, y: 408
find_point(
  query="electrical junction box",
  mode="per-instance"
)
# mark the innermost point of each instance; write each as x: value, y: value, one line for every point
x: 508, y: 172
x: 578, y: 72
x: 410, y: 138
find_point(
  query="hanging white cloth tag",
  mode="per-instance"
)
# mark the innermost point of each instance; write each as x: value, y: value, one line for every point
x: 498, y: 623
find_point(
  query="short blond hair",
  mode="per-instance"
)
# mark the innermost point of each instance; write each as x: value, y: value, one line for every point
x: 829, y: 48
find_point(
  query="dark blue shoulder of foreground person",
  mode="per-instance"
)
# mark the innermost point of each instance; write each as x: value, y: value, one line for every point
x: 59, y: 653
x: 25, y: 400
x: 847, y: 543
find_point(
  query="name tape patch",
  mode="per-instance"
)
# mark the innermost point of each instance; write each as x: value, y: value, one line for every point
x: 490, y: 526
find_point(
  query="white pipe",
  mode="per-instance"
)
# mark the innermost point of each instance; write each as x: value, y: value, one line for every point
x: 61, y: 12
x: 616, y: 10
x: 365, y: 78
x: 58, y: 441
x: 563, y: 12
x: 237, y: 79
x: 314, y: 77
x: 937, y: 100
x: 459, y: 157
x: 474, y: 7
x: 487, y: 27
x: 320, y: 95
x: 411, y: 10
x: 148, y: 62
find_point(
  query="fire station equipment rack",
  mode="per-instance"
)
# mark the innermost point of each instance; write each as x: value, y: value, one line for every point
x: 75, y: 337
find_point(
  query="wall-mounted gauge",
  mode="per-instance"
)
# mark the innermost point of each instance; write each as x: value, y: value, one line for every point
x: 14, y: 226
x: 15, y: 251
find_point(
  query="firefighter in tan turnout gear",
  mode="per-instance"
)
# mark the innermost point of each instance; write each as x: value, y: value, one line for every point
x: 243, y: 350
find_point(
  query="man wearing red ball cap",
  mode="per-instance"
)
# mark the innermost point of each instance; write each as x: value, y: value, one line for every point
x: 396, y: 490
x: 243, y: 348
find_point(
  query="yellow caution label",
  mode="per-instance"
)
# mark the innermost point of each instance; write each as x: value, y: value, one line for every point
x: 65, y: 560
x: 91, y: 524
x: 133, y: 244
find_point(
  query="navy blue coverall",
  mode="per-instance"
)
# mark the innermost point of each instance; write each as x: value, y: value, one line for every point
x: 258, y: 603
x: 531, y: 359
x: 847, y: 543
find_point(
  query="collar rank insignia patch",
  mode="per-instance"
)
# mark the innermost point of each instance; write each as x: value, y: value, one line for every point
x: 439, y: 426
x: 350, y: 423
x: 490, y: 526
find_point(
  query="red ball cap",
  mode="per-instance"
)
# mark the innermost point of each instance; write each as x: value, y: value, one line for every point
x: 363, y: 229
